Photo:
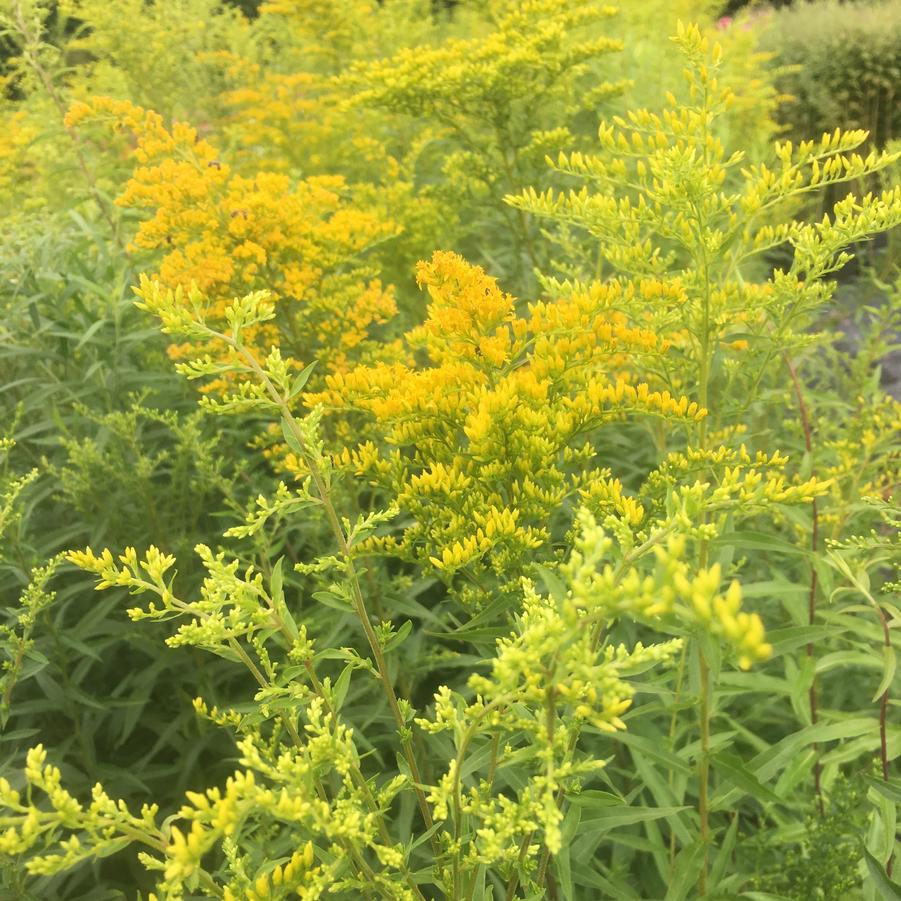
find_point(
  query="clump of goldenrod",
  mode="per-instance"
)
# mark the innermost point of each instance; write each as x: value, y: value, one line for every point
x: 544, y: 494
x: 486, y: 442
x: 227, y: 233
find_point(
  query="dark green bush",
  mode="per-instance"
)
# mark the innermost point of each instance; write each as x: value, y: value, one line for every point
x: 842, y: 66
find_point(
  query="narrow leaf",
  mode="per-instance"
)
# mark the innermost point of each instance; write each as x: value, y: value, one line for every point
x: 302, y: 379
x: 885, y: 888
x: 888, y: 671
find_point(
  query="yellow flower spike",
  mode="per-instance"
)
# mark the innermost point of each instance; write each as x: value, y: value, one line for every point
x: 733, y: 596
x: 701, y: 603
x: 195, y: 838
x: 199, y: 800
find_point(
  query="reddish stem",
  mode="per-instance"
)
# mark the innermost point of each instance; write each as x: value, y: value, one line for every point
x: 883, y: 715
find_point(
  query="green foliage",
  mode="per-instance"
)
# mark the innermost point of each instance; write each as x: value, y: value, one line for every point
x: 816, y: 866
x: 842, y: 64
x: 574, y: 576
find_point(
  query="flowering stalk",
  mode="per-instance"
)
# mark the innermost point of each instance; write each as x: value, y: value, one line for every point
x: 884, y: 697
x: 31, y: 44
x: 597, y: 632
x: 343, y: 544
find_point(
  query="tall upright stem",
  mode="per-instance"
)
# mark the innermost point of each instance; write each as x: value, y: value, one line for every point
x: 804, y: 415
x: 597, y: 631
x: 703, y: 669
x: 357, y: 599
x: 31, y: 43
x: 704, y: 766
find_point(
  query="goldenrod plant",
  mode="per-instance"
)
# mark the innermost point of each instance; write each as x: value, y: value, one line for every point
x: 20, y: 658
x: 223, y: 232
x: 501, y: 101
x: 558, y: 564
x: 677, y: 215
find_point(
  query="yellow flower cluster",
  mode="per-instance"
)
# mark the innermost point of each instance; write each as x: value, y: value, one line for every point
x: 729, y: 478
x: 532, y: 48
x: 868, y: 454
x: 269, y: 118
x: 329, y: 31
x: 604, y: 495
x: 696, y: 600
x: 229, y: 233
x: 216, y: 814
x: 550, y: 676
x: 30, y: 826
x: 484, y: 444
x: 17, y: 166
x: 282, y: 878
x: 676, y: 595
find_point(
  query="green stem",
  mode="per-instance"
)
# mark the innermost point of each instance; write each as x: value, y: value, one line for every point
x: 358, y: 601
x: 804, y: 415
x: 704, y: 767
x: 680, y: 675
x: 597, y: 631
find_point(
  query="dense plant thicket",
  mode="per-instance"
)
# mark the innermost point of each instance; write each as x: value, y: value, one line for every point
x: 842, y: 64
x: 449, y: 406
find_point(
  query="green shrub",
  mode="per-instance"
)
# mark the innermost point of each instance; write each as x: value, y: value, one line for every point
x: 841, y: 66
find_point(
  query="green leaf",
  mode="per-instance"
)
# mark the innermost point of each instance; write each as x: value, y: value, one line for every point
x: 330, y: 599
x: 107, y: 849
x: 474, y: 631
x: 724, y: 854
x: 654, y: 750
x: 759, y: 541
x: 602, y: 817
x: 276, y: 581
x: 685, y: 873
x: 734, y: 768
x: 291, y: 438
x: 561, y: 862
x: 339, y: 692
x: 885, y: 888
x: 277, y: 593
x: 794, y: 637
x: 302, y: 379
x: 90, y: 333
x: 891, y: 789
x: 594, y: 798
x: 398, y: 638
x: 798, y: 769
x: 883, y: 825
x: 843, y: 659
x: 764, y: 896
x: 422, y: 838
x: 552, y: 582
x: 888, y: 671
x: 766, y: 764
